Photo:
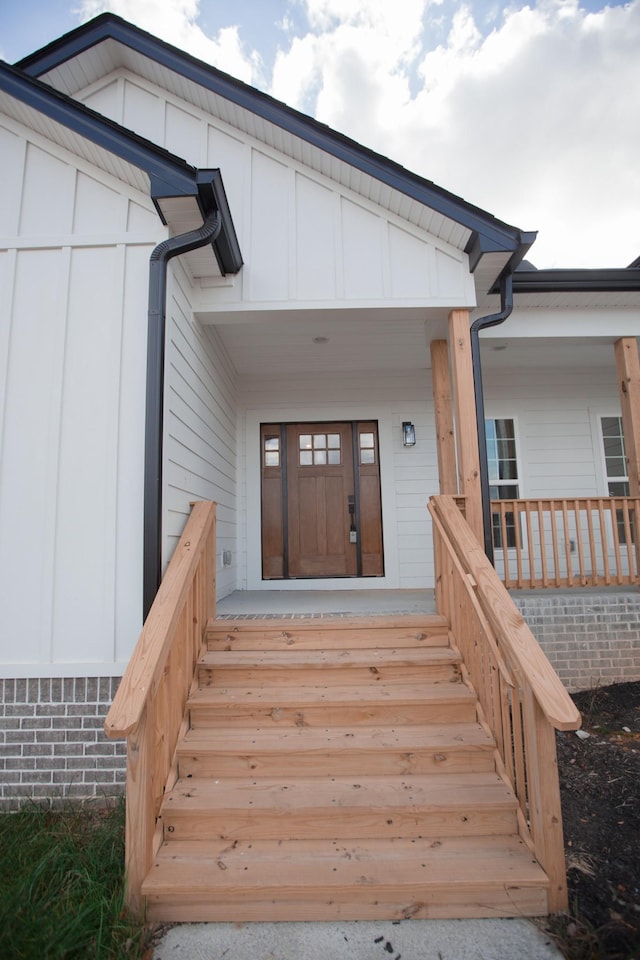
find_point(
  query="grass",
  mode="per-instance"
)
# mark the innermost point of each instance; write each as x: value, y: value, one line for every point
x: 62, y: 885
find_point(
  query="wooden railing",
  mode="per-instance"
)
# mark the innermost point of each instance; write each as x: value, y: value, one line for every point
x: 521, y: 698
x: 149, y: 705
x: 566, y: 543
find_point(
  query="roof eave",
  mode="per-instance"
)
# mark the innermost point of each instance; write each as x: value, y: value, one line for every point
x: 169, y: 176
x: 608, y: 280
x: 488, y: 233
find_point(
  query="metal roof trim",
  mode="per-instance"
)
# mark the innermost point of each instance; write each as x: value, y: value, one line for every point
x: 606, y: 280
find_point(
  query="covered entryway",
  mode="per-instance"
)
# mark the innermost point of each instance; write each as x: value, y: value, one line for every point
x: 321, y: 504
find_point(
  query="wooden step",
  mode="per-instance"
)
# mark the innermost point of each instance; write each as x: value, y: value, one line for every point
x: 361, y: 665
x: 452, y: 804
x: 328, y: 880
x: 319, y: 751
x: 332, y: 705
x: 317, y: 633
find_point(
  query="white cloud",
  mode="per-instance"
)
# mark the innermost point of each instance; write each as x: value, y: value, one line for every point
x: 537, y: 122
x: 534, y: 117
x: 176, y: 22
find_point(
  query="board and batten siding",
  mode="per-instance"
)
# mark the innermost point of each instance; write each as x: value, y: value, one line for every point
x: 74, y: 249
x: 306, y: 240
x: 199, y: 427
x: 408, y: 475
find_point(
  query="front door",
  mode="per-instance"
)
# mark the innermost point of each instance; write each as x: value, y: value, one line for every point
x: 321, y: 507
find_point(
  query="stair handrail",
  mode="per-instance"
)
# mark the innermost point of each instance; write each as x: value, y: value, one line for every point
x: 148, y: 708
x: 522, y: 700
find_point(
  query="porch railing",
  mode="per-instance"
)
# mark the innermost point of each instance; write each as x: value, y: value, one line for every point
x: 149, y: 705
x: 521, y: 698
x: 566, y: 543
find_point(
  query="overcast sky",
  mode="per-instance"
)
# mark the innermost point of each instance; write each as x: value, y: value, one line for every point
x: 531, y: 112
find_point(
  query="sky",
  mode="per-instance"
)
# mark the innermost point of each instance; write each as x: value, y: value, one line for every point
x: 530, y: 111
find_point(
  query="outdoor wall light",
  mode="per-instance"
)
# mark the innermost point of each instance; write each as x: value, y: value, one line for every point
x: 408, y: 434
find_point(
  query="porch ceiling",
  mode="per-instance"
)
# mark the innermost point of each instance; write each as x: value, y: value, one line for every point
x: 360, y: 340
x: 382, y: 341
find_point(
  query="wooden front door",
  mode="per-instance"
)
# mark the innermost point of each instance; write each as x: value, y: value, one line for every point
x: 321, y: 507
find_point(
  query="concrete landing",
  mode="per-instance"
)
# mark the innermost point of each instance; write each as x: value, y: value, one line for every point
x: 325, y: 602
x: 383, y: 940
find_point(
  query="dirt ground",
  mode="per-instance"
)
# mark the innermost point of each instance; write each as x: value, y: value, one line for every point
x: 600, y: 786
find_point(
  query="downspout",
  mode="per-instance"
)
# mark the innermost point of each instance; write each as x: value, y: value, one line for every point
x: 154, y: 422
x: 482, y: 323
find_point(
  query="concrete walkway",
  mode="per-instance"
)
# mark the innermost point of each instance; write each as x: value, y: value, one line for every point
x: 376, y: 940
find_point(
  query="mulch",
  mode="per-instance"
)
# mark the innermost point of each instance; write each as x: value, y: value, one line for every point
x: 600, y: 789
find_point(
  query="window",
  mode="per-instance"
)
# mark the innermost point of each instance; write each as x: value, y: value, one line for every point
x: 615, y: 461
x: 503, y: 473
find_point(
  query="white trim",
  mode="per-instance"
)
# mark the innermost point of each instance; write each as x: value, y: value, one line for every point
x: 596, y: 415
x: 254, y: 418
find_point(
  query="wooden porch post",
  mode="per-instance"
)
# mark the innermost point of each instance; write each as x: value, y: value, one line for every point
x: 628, y: 368
x: 444, y: 417
x: 465, y: 418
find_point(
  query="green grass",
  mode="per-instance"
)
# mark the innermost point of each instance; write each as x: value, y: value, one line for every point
x: 62, y: 885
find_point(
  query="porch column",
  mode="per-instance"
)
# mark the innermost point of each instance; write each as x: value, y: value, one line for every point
x: 465, y: 419
x: 445, y: 439
x: 628, y: 368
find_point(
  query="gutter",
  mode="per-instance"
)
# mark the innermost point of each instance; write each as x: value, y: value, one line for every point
x: 483, y: 323
x: 154, y: 420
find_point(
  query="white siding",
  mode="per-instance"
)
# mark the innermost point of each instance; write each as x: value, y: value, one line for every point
x: 73, y: 286
x: 200, y: 428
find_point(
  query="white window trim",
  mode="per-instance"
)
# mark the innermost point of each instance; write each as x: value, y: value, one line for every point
x: 602, y: 478
x: 501, y: 415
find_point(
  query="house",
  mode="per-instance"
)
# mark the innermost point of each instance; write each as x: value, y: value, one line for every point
x: 211, y: 297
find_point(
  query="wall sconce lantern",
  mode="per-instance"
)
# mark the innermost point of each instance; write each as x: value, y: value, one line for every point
x: 408, y: 434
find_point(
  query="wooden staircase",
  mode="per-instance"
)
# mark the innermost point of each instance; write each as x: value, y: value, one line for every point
x: 335, y: 768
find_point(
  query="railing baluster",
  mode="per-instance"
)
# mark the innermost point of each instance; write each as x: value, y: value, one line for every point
x: 613, y: 551
x: 579, y: 541
x: 530, y: 545
x: 567, y: 541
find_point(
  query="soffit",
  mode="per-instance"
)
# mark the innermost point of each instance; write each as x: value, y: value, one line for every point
x: 75, y: 143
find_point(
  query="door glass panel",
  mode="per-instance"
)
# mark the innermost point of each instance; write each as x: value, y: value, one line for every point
x: 367, y: 448
x: 319, y: 449
x: 272, y: 451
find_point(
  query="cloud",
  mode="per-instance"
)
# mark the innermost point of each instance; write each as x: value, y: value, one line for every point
x: 176, y: 22
x: 535, y: 121
x: 529, y: 112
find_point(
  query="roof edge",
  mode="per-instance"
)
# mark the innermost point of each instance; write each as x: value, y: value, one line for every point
x: 604, y: 280
x: 495, y: 234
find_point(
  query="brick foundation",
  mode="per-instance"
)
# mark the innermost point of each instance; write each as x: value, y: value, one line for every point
x: 52, y: 743
x: 591, y: 638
